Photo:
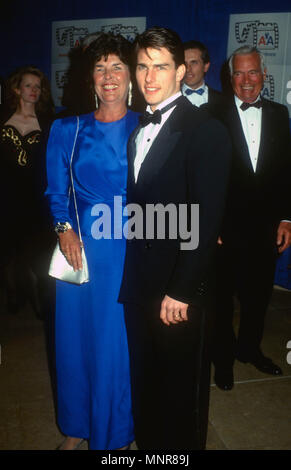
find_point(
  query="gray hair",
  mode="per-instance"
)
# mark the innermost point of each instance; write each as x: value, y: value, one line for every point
x: 244, y: 50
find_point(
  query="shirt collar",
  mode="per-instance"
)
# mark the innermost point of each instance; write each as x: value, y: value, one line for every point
x: 164, y: 103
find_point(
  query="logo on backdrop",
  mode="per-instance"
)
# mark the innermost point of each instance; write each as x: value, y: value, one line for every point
x: 70, y: 36
x: 264, y: 36
x: 61, y: 78
x: 129, y: 32
x: 268, y: 90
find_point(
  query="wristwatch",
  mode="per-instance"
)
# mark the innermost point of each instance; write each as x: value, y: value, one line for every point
x: 62, y: 227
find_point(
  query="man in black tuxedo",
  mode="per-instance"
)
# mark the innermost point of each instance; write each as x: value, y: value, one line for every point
x: 178, y: 157
x: 256, y: 225
x: 197, y: 61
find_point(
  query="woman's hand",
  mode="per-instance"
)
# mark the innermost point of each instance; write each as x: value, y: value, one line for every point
x: 71, y: 247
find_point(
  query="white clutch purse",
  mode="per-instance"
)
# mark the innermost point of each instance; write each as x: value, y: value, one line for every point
x: 59, y: 266
x: 61, y: 269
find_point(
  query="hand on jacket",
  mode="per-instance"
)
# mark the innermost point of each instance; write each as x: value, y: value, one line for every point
x: 173, y: 311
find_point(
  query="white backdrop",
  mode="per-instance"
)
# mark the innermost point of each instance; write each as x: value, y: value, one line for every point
x: 271, y: 34
x: 68, y: 34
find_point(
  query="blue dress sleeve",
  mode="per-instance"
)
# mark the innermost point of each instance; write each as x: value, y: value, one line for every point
x: 59, y: 149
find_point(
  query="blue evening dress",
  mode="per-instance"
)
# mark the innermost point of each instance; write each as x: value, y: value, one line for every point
x: 93, y: 381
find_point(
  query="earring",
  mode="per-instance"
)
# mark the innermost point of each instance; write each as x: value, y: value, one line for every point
x: 96, y: 101
x: 129, y: 99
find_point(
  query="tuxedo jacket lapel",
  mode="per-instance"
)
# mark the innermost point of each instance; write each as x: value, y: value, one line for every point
x: 158, y: 153
x: 160, y: 149
x: 267, y: 130
x: 131, y: 153
x: 239, y: 141
x: 131, y: 147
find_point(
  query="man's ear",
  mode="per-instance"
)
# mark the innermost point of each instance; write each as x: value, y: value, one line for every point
x: 206, y: 67
x: 264, y: 73
x: 181, y: 70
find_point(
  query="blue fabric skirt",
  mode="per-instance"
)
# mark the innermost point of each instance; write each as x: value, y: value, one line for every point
x: 93, y: 378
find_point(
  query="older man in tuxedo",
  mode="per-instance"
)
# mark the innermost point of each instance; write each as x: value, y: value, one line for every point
x: 256, y: 225
x: 178, y: 158
x: 197, y: 61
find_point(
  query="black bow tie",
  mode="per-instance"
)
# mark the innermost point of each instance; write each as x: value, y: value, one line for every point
x: 257, y: 104
x: 147, y: 118
x: 156, y: 117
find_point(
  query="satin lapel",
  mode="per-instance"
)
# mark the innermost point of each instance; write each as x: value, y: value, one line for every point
x: 131, y: 147
x: 159, y: 151
x: 238, y: 138
x: 267, y: 130
x: 131, y: 153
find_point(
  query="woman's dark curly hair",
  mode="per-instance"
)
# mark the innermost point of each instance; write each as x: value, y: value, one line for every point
x: 103, y: 46
x: 45, y: 103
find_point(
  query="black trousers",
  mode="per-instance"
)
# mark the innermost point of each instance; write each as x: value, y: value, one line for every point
x: 170, y: 377
x: 247, y: 271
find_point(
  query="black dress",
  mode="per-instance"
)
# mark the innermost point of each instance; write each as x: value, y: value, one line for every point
x: 25, y: 235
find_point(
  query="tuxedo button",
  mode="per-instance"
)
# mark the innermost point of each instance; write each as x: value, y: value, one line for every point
x: 148, y: 246
x: 201, y: 289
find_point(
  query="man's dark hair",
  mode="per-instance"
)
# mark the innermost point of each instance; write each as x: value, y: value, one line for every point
x: 157, y: 38
x: 202, y: 48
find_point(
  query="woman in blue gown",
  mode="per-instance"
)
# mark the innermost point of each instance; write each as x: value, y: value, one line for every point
x: 93, y: 382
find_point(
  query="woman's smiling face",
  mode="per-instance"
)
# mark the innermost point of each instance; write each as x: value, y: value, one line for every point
x: 111, y: 79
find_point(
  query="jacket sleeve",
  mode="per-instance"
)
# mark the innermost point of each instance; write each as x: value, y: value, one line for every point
x: 59, y: 148
x: 207, y: 178
x: 283, y: 159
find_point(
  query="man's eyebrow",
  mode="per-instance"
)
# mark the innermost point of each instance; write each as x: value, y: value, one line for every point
x: 161, y: 65
x: 154, y: 65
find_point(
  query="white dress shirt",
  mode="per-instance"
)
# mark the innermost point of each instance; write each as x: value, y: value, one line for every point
x: 147, y: 134
x: 251, y: 120
x: 195, y: 98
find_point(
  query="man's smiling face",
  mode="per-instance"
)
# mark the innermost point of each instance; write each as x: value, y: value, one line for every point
x: 157, y: 75
x: 247, y: 76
